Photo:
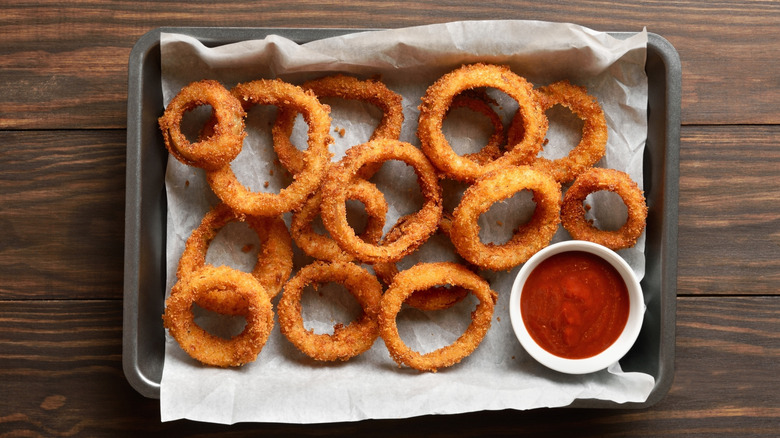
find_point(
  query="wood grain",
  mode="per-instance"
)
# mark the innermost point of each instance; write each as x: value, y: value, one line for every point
x: 61, y: 372
x: 62, y: 215
x: 64, y: 64
x: 729, y: 225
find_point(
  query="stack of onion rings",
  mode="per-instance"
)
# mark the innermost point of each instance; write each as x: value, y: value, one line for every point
x: 594, y: 180
x: 226, y: 130
x: 317, y: 156
x: 334, y: 194
x: 528, y: 239
x: 324, y: 248
x: 438, y: 99
x: 274, y: 260
x: 202, y: 345
x: 321, y: 187
x: 424, y: 276
x: 345, y: 342
x: 344, y: 87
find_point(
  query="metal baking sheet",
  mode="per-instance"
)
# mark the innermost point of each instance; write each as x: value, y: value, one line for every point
x: 145, y: 209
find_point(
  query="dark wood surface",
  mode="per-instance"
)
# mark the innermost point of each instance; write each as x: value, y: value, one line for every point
x: 63, y: 89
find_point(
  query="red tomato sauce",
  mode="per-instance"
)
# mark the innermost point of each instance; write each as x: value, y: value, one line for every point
x: 574, y: 304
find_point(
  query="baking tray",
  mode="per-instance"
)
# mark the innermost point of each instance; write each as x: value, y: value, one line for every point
x: 145, y: 209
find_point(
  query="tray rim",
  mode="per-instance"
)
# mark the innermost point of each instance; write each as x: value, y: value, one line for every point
x: 149, y: 385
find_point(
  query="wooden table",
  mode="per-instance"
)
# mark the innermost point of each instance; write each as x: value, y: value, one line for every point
x: 63, y: 90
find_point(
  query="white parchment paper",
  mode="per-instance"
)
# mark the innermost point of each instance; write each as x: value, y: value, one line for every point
x: 285, y: 386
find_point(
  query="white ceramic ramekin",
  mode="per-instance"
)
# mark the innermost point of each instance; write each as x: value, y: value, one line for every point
x: 614, y: 352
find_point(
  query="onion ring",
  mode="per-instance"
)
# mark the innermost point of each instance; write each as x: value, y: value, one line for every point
x: 597, y: 179
x: 439, y: 97
x: 227, y: 127
x: 345, y: 87
x: 276, y: 92
x: 345, y: 342
x: 334, y: 193
x: 202, y: 345
x: 424, y: 276
x: 434, y: 298
x: 528, y: 239
x: 592, y: 145
x: 274, y: 261
x: 324, y: 248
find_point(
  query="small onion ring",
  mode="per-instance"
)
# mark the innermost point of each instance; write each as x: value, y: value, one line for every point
x: 592, y: 145
x: 274, y: 261
x: 276, y: 92
x: 439, y: 97
x: 334, y: 194
x: 227, y: 126
x: 597, y: 179
x: 345, y: 87
x: 202, y: 345
x: 424, y: 276
x: 346, y: 341
x: 322, y: 247
x: 528, y: 239
x: 435, y: 298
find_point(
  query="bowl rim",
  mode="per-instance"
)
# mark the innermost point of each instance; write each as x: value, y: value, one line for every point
x: 615, y: 351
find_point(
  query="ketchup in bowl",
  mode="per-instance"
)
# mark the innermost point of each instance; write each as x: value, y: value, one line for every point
x: 576, y: 307
x: 574, y: 304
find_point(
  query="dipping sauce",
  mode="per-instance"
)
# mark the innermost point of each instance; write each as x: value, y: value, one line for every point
x: 574, y: 304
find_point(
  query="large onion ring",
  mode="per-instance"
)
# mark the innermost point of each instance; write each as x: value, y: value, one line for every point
x: 528, y: 239
x: 345, y: 342
x: 227, y: 130
x: 317, y: 157
x: 274, y: 260
x: 424, y: 276
x: 438, y: 99
x: 334, y: 194
x: 593, y: 144
x: 202, y: 345
x: 344, y: 87
x: 322, y: 247
x: 435, y: 298
x: 597, y: 179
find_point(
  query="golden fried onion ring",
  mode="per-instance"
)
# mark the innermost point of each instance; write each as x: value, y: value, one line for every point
x: 438, y: 98
x: 592, y: 145
x: 317, y: 157
x: 204, y: 346
x: 274, y: 260
x: 598, y: 179
x: 345, y: 342
x: 424, y: 276
x: 322, y: 247
x: 334, y: 194
x: 345, y: 87
x: 226, y: 127
x: 528, y: 239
